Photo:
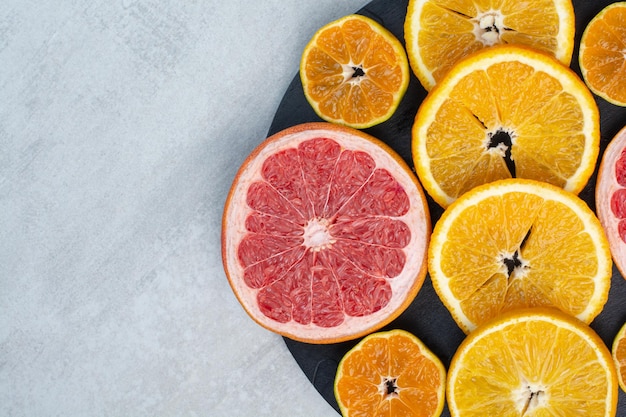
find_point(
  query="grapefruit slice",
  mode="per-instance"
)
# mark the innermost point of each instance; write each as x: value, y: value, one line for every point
x: 611, y: 198
x: 324, y: 234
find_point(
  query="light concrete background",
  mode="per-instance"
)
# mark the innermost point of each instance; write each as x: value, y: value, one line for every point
x: 122, y: 124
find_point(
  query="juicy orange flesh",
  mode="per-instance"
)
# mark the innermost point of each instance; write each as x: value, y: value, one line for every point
x: 619, y: 354
x: 539, y: 364
x: 370, y: 375
x: 323, y: 239
x: 447, y: 28
x: 545, y: 125
x: 374, y: 78
x: 604, y: 55
x: 558, y: 257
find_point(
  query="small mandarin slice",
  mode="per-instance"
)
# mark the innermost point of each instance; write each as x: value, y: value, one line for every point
x: 602, y: 54
x: 390, y: 374
x: 619, y: 356
x: 354, y: 72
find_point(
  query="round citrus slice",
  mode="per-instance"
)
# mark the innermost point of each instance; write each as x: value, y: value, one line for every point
x: 611, y: 197
x: 519, y: 243
x: 354, y: 72
x: 619, y: 356
x: 507, y: 111
x: 537, y: 362
x: 602, y: 55
x: 439, y: 33
x: 324, y: 233
x: 390, y: 374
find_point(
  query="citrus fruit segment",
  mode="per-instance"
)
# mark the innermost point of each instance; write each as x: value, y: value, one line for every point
x: 324, y: 233
x: 611, y: 197
x: 506, y: 111
x: 354, y: 72
x: 390, y: 374
x: 602, y: 54
x: 519, y: 243
x: 536, y: 362
x: 619, y: 356
x: 439, y: 33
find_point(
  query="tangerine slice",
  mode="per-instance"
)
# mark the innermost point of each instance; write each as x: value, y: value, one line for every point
x: 602, y: 55
x: 324, y: 233
x: 611, y: 197
x: 354, y: 72
x: 439, y: 33
x: 537, y: 362
x: 519, y: 243
x: 390, y: 373
x: 618, y: 352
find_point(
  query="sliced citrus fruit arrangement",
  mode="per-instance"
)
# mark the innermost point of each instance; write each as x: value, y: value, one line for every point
x: 390, y: 374
x: 354, y: 72
x: 507, y: 111
x: 536, y: 362
x: 324, y: 233
x: 519, y: 243
x: 439, y: 33
x: 618, y: 352
x: 611, y: 197
x: 602, y: 54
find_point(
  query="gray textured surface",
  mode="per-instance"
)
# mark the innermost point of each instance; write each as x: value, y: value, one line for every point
x: 122, y: 124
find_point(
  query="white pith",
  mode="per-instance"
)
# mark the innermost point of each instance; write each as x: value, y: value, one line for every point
x: 530, y: 396
x: 316, y: 235
x: 488, y: 27
x: 348, y: 73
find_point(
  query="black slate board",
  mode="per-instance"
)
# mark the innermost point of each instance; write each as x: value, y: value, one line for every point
x: 427, y: 317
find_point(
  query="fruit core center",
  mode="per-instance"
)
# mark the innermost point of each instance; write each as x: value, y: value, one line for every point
x: 515, y: 265
x: 532, y: 398
x: 358, y: 72
x: 389, y: 387
x: 489, y: 26
x: 500, y: 142
x: 353, y: 73
x: 317, y: 234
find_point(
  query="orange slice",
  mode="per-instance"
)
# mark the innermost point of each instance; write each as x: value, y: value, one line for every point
x: 519, y: 243
x: 439, y: 33
x: 507, y: 111
x: 611, y: 197
x: 532, y: 363
x: 619, y: 356
x: 324, y: 233
x: 602, y: 54
x: 354, y: 72
x: 390, y: 374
